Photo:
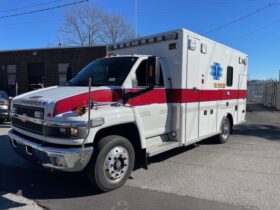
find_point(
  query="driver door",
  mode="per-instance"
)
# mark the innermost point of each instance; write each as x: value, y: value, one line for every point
x: 152, y: 106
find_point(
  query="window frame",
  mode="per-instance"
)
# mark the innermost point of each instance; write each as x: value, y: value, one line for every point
x: 229, y: 78
x: 134, y: 77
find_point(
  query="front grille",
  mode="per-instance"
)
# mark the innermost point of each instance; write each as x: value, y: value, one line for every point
x: 28, y: 111
x: 28, y: 126
x: 43, y: 143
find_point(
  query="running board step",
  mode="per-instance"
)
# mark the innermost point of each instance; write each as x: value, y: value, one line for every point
x: 162, y: 147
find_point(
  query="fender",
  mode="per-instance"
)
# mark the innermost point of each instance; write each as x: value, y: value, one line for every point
x: 140, y: 127
x: 122, y: 116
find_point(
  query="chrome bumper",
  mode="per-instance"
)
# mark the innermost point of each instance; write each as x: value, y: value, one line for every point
x: 71, y: 160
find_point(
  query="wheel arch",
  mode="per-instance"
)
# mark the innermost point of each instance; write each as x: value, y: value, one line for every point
x: 129, y: 131
x: 229, y: 116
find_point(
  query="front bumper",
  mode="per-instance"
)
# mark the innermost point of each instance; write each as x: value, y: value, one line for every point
x: 64, y: 159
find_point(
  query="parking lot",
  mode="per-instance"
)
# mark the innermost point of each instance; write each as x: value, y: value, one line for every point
x: 242, y: 174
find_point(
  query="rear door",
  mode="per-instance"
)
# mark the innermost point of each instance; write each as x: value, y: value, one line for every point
x: 242, y: 89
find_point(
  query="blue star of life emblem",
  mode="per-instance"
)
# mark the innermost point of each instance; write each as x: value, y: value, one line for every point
x: 216, y: 71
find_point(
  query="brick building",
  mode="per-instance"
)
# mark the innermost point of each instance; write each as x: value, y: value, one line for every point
x: 35, y: 68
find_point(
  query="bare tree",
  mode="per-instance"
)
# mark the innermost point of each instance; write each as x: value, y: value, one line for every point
x: 82, y: 26
x: 116, y: 29
x: 88, y: 25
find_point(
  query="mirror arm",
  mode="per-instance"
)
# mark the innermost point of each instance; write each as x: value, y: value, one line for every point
x: 131, y: 95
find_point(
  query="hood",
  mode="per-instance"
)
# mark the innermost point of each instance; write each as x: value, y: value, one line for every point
x: 57, y: 100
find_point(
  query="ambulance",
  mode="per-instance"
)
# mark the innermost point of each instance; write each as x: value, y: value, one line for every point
x: 147, y: 96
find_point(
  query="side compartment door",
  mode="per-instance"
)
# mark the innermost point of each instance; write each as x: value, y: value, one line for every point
x: 242, y: 87
x: 193, y: 86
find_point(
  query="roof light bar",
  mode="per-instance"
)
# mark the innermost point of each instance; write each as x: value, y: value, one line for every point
x: 149, y: 40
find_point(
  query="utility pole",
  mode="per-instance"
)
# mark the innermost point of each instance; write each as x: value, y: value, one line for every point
x: 136, y: 17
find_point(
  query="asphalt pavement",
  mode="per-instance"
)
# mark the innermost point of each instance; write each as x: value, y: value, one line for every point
x: 241, y: 174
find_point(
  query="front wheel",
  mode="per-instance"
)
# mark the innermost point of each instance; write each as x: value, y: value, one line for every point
x: 112, y: 164
x: 225, y: 131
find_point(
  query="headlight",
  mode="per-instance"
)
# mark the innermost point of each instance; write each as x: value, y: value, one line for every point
x: 38, y: 115
x: 69, y: 132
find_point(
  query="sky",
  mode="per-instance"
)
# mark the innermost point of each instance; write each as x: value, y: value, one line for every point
x: 257, y: 35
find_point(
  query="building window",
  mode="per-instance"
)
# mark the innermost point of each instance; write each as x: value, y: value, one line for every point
x: 12, y: 76
x: 229, y: 76
x: 64, y: 72
x: 11, y: 72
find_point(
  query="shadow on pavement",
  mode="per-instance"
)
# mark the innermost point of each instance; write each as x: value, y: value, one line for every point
x: 259, y: 108
x: 170, y: 154
x: 268, y: 132
x: 37, y: 183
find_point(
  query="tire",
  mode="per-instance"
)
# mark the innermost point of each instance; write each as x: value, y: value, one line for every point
x: 112, y: 164
x: 225, y: 131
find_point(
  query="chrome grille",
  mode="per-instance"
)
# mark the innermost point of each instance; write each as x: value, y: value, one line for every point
x: 27, y: 111
x: 28, y: 126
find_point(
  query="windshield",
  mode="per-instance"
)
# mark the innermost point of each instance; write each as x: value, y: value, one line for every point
x: 106, y: 71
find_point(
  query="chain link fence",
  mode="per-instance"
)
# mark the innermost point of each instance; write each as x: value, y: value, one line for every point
x: 264, y: 92
x: 271, y: 95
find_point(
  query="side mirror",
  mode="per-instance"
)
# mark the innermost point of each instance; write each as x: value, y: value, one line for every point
x: 153, y: 71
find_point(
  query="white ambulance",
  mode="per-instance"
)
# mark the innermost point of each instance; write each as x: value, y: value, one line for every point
x: 146, y: 97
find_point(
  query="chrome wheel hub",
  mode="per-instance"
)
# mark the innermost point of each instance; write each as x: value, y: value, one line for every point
x: 116, y: 164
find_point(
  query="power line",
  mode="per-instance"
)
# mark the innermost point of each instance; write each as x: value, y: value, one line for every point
x: 31, y: 22
x: 254, y: 31
x: 241, y: 18
x: 42, y: 10
x: 30, y: 6
x: 191, y: 6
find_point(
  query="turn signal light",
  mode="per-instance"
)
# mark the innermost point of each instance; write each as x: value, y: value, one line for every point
x: 81, y: 110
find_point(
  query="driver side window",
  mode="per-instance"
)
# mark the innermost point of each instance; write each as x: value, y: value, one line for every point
x: 141, y: 75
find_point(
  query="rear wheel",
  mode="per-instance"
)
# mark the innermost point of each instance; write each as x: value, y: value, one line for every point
x: 225, y: 131
x: 112, y: 164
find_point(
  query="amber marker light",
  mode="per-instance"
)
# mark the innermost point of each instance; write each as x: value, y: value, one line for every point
x: 81, y: 110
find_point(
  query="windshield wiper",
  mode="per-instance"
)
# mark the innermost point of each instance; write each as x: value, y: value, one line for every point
x: 78, y: 84
x: 99, y: 84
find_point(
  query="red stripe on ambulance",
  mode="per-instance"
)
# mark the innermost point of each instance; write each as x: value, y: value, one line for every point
x: 155, y: 96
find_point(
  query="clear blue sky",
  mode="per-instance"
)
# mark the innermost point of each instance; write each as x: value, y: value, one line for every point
x: 39, y: 30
